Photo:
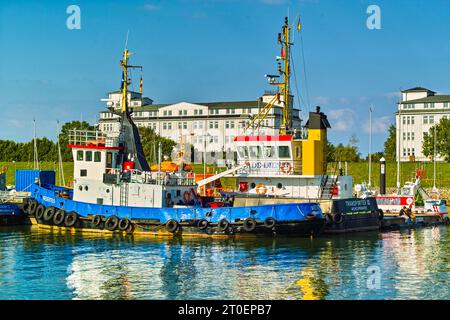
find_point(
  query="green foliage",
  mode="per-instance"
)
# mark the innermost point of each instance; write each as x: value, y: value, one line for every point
x: 345, y: 153
x: 390, y: 148
x: 442, y: 130
x: 150, y: 141
x: 66, y: 152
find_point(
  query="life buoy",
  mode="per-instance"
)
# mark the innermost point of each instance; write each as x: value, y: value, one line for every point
x: 270, y: 222
x: 261, y: 189
x: 249, y: 224
x: 58, y: 217
x: 111, y: 223
x: 286, y: 167
x: 71, y: 219
x: 172, y: 225
x: 187, y: 197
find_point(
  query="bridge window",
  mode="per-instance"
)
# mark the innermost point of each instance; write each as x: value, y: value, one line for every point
x: 80, y: 155
x: 109, y: 160
x: 284, y: 152
x: 88, y: 155
x: 243, y: 152
x: 269, y: 151
x: 254, y: 152
x: 97, y: 156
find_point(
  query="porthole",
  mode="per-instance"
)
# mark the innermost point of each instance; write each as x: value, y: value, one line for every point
x: 279, y: 185
x: 86, y: 188
x: 80, y: 188
x: 253, y: 185
x: 107, y: 190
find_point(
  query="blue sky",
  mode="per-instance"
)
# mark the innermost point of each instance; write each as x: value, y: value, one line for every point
x: 218, y: 50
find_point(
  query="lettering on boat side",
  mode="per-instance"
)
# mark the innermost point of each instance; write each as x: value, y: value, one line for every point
x: 48, y: 199
x: 226, y: 309
x: 73, y: 22
x: 374, y: 20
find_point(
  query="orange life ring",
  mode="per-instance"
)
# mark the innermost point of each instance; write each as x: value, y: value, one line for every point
x: 187, y: 197
x: 261, y: 189
x: 286, y: 167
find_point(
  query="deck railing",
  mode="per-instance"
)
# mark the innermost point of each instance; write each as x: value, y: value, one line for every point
x: 94, y: 138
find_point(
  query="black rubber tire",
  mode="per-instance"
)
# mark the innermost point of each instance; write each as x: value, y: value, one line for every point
x: 39, y: 212
x: 71, y: 219
x: 223, y: 225
x: 270, y: 222
x: 203, y: 224
x: 49, y: 213
x: 111, y: 223
x: 380, y: 214
x: 124, y: 224
x: 172, y: 225
x: 97, y: 220
x: 33, y: 204
x: 338, y: 218
x: 59, y: 217
x: 26, y: 207
x: 249, y: 224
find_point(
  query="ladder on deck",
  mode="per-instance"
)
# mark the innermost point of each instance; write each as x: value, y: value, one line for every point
x: 328, y: 184
x: 123, y: 200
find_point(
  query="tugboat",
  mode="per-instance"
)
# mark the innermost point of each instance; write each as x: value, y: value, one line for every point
x: 292, y: 167
x: 115, y: 190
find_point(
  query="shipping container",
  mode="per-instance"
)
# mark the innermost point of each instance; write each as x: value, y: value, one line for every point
x: 25, y: 178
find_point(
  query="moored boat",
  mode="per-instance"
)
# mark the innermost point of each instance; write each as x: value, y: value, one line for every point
x: 115, y: 190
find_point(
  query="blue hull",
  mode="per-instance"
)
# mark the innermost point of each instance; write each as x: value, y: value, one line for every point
x: 289, y: 214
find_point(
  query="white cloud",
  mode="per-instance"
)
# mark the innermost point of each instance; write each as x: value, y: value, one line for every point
x: 151, y: 7
x: 322, y: 101
x: 342, y: 119
x: 274, y: 2
x: 379, y: 125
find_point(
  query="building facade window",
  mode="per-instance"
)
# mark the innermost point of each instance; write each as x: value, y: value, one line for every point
x: 425, y: 119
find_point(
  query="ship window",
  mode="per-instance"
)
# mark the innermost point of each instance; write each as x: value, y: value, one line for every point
x: 97, y: 156
x: 254, y: 152
x: 284, y: 152
x: 83, y: 173
x: 269, y: 151
x: 243, y: 152
x: 88, y: 155
x: 297, y: 152
x: 109, y: 159
x: 80, y: 155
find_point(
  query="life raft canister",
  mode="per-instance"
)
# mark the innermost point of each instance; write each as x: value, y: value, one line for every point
x: 261, y: 189
x: 286, y: 167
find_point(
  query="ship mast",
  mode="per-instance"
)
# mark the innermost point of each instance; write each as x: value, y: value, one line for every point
x: 125, y: 80
x: 283, y: 91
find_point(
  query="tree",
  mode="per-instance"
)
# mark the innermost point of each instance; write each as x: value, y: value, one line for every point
x: 442, y: 140
x: 346, y: 153
x: 66, y: 152
x: 390, y: 145
x: 150, y: 141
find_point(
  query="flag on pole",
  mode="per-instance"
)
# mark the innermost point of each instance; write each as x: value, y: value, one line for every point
x: 140, y: 86
x: 299, y: 24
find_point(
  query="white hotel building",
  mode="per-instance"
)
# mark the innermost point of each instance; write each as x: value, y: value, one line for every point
x: 208, y: 124
x: 419, y: 110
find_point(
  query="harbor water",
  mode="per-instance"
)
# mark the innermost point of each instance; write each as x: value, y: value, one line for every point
x: 408, y: 264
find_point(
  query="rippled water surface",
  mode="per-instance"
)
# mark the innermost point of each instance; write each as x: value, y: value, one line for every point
x: 410, y: 264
